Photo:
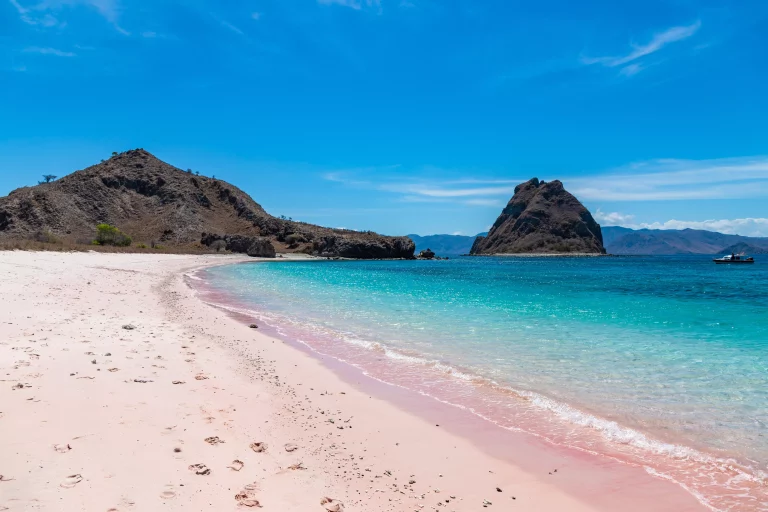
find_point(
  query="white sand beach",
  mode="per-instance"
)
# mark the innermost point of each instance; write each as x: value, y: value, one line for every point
x: 121, y: 391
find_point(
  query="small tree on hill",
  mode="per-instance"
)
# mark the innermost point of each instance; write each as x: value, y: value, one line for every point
x: 114, y: 153
x: 47, y: 178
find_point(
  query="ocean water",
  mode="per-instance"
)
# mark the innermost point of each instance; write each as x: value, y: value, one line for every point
x: 656, y: 361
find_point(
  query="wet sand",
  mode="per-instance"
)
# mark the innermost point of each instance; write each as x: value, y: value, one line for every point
x: 122, y: 391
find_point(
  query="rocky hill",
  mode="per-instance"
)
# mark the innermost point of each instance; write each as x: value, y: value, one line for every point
x: 151, y: 200
x: 620, y: 240
x: 542, y: 218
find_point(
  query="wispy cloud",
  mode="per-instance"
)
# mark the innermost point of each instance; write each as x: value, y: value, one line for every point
x: 654, y: 180
x: 45, y: 13
x: 631, y: 70
x: 49, y: 51
x: 231, y: 27
x: 468, y: 191
x: 657, y: 42
x: 31, y: 17
x: 670, y: 179
x: 354, y: 4
x: 256, y: 15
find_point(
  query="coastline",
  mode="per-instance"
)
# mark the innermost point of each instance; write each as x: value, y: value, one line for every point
x: 256, y: 389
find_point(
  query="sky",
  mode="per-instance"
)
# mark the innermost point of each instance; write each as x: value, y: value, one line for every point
x: 405, y: 116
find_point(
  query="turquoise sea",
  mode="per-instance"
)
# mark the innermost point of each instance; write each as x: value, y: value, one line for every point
x: 655, y: 361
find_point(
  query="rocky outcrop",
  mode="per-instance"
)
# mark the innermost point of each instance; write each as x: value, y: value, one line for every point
x: 427, y: 254
x: 351, y: 246
x: 153, y: 201
x: 252, y: 246
x: 542, y: 218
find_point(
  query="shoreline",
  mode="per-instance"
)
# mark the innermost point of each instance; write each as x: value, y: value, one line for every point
x: 484, y: 432
x: 254, y: 388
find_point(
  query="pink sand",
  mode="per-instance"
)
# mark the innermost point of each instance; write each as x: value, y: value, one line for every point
x: 77, y: 436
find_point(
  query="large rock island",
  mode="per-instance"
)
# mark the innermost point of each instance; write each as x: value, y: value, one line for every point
x: 155, y: 203
x: 542, y: 218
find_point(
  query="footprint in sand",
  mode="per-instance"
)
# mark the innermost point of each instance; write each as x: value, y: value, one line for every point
x: 200, y: 469
x: 246, y: 499
x: 213, y: 440
x: 332, y: 505
x: 71, y: 481
x: 62, y: 448
x: 169, y: 493
x: 178, y: 382
x: 259, y: 447
x: 201, y: 377
x: 237, y: 465
x: 290, y: 447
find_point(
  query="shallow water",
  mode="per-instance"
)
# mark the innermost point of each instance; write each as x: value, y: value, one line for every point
x: 656, y: 361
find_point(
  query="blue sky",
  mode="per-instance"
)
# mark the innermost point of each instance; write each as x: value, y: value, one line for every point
x: 404, y: 116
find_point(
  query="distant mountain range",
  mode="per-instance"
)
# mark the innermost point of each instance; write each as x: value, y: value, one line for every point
x: 619, y: 240
x: 445, y: 245
x: 626, y: 241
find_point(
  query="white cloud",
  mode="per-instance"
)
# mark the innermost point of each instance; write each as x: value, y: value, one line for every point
x: 149, y: 35
x: 657, y: 42
x: 613, y: 219
x: 49, y: 51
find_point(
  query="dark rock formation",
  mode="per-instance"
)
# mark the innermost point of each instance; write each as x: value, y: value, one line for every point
x: 427, y: 254
x: 150, y: 200
x: 542, y: 218
x: 350, y: 246
x: 261, y: 248
x: 257, y: 246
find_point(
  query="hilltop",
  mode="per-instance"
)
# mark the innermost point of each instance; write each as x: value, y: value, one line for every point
x: 152, y: 201
x: 542, y: 218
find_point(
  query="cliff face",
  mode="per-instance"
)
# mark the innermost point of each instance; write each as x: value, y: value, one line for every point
x: 542, y: 218
x: 151, y: 200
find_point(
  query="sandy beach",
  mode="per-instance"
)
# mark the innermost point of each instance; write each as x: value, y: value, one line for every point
x: 122, y: 391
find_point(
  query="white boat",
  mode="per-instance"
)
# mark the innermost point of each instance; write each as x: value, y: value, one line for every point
x: 734, y: 258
